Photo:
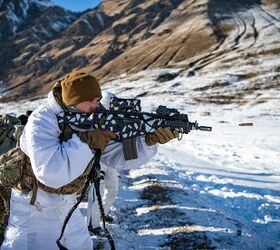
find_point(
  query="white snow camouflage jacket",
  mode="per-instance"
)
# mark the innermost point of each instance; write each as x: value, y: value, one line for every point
x: 56, y: 164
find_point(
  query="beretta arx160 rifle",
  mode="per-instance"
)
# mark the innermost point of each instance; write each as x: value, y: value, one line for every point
x: 125, y: 118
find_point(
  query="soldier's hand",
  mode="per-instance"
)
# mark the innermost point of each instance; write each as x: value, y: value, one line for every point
x: 97, y: 139
x: 161, y: 135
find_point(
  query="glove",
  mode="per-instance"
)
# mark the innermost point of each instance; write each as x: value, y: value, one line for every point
x: 97, y: 139
x: 161, y: 135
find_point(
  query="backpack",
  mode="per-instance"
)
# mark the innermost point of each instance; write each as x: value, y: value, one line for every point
x: 9, y: 133
x: 10, y: 129
x: 11, y: 156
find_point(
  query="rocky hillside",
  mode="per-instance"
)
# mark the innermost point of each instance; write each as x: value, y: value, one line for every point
x: 41, y: 42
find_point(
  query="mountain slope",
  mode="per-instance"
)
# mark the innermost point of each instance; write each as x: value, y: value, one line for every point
x: 128, y: 36
x: 15, y: 14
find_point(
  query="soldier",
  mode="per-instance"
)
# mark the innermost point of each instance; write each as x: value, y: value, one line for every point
x: 58, y: 158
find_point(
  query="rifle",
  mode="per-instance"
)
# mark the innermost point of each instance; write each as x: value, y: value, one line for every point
x: 124, y: 117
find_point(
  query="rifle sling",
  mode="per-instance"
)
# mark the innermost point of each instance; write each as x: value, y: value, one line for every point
x: 94, y: 176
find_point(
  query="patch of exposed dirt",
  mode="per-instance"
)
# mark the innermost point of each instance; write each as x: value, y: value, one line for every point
x: 188, y: 241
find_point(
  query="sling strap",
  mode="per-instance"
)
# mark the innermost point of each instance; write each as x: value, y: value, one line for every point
x: 96, y: 182
x: 93, y: 177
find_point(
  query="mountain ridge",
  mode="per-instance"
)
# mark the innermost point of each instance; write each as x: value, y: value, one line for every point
x: 126, y: 37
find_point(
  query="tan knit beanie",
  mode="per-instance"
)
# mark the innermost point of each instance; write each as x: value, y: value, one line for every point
x: 79, y: 87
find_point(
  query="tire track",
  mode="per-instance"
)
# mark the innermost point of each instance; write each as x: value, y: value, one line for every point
x: 270, y: 15
x: 244, y: 25
x: 215, y: 55
x: 240, y: 24
x: 256, y: 34
x: 250, y: 22
x: 243, y: 29
x: 269, y: 18
x: 203, y: 62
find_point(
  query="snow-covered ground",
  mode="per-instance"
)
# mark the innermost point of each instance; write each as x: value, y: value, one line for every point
x: 218, y: 189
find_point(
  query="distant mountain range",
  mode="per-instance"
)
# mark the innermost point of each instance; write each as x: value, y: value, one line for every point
x: 40, y: 42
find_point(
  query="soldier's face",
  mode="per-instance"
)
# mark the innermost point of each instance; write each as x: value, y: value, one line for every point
x: 88, y: 106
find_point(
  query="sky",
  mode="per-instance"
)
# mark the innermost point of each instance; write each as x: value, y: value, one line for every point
x: 76, y: 5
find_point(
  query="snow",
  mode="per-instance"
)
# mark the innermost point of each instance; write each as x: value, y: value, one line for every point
x: 87, y: 23
x: 42, y: 3
x: 14, y: 19
x: 100, y: 19
x: 216, y: 189
x: 18, y: 15
x: 24, y: 6
x: 58, y: 26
